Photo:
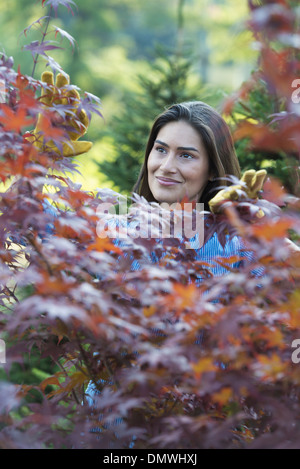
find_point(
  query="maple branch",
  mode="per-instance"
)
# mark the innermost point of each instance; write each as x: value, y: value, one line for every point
x: 11, y: 293
x: 110, y: 373
x: 43, y: 38
x: 33, y: 243
x: 67, y: 376
x: 87, y: 363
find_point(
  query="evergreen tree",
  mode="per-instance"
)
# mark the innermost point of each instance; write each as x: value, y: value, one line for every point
x: 261, y: 105
x: 169, y: 83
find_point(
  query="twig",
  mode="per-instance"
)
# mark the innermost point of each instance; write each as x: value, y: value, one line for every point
x: 31, y: 240
x: 66, y: 375
x: 110, y: 372
x: 43, y: 38
x: 86, y: 362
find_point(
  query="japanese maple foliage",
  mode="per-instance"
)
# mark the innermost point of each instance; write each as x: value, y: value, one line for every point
x: 265, y: 110
x: 176, y: 365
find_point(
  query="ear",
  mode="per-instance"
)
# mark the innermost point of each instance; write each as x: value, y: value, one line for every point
x: 211, y: 175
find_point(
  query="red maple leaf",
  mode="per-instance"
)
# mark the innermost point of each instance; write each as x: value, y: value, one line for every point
x: 49, y: 131
x: 14, y: 121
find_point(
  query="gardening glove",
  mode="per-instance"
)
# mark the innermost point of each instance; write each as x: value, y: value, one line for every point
x: 74, y: 125
x: 251, y: 184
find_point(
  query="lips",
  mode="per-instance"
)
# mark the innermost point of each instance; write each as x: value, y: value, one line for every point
x: 167, y: 181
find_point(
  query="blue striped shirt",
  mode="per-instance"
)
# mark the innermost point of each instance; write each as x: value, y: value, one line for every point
x: 209, y: 252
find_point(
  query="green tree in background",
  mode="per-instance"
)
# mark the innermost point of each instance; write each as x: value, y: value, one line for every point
x: 172, y: 79
x: 265, y: 102
x: 168, y: 83
x: 263, y: 107
x: 115, y: 40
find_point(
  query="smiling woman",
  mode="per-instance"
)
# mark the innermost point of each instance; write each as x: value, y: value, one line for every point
x: 189, y: 149
x: 178, y: 164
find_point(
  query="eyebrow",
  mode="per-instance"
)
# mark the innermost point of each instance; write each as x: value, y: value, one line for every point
x: 178, y: 148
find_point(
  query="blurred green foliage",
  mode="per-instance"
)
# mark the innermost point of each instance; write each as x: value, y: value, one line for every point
x: 172, y: 79
x: 115, y: 46
x: 261, y: 106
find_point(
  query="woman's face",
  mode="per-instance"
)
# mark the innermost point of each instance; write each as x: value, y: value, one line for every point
x: 178, y: 164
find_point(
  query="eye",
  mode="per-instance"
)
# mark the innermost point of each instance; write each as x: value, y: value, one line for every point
x: 160, y: 149
x: 186, y: 156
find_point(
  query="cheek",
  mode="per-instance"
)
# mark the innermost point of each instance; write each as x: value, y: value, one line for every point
x: 199, y: 177
x: 151, y: 164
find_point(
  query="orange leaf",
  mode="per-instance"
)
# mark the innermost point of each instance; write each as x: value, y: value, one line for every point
x: 52, y: 380
x: 204, y: 365
x: 272, y: 229
x: 184, y: 296
x: 242, y: 93
x: 292, y: 308
x: 51, y: 286
x: 49, y: 131
x: 274, y: 191
x: 264, y: 138
x: 24, y: 390
x: 149, y: 311
x: 77, y: 197
x: 273, y: 337
x: 270, y: 368
x: 14, y: 121
x: 222, y: 397
x: 77, y: 379
x: 104, y: 244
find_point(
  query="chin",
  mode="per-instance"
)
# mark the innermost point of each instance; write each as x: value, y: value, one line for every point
x: 167, y: 196
x: 168, y: 200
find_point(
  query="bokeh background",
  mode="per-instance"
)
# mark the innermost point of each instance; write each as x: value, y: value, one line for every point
x: 137, y: 57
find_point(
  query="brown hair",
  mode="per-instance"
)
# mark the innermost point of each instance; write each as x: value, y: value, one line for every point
x: 216, y: 138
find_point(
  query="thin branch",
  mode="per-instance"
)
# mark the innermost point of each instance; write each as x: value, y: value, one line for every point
x: 87, y: 363
x: 66, y: 375
x: 111, y: 374
x: 43, y: 38
x: 31, y: 240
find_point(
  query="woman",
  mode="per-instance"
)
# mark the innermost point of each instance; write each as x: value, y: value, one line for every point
x: 188, y: 155
x: 184, y: 124
x: 189, y: 152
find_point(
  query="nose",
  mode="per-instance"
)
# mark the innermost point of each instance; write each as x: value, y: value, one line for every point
x: 168, y: 165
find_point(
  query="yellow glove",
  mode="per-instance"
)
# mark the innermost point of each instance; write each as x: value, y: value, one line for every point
x: 74, y: 126
x: 251, y: 183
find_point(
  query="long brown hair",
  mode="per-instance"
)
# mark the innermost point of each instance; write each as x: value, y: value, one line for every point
x: 216, y: 138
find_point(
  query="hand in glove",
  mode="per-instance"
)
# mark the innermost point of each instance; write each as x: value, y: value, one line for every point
x: 74, y: 125
x: 251, y: 183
